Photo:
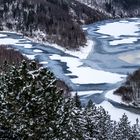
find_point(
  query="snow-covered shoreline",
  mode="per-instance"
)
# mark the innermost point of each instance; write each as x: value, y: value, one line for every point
x: 116, y: 113
x: 82, y: 52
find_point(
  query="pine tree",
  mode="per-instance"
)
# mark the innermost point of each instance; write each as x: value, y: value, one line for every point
x: 90, y: 113
x: 90, y: 104
x: 114, y: 131
x: 136, y: 131
x: 104, y: 125
x: 32, y: 107
x: 72, y: 121
x: 123, y: 129
x: 30, y: 103
x: 77, y: 101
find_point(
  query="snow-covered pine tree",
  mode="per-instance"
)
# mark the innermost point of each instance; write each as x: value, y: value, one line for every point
x: 124, y: 131
x: 103, y: 125
x: 136, y: 131
x: 31, y: 107
x: 71, y: 125
x: 90, y: 105
x: 90, y: 113
x: 77, y: 100
x: 114, y: 131
x: 29, y: 103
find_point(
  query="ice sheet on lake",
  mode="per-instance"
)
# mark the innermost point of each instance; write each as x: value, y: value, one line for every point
x: 129, y: 40
x: 11, y: 41
x: 117, y: 29
x: 85, y: 74
x: 121, y: 31
x: 132, y: 58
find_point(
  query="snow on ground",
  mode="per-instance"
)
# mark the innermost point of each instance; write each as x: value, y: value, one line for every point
x: 116, y: 113
x: 111, y: 96
x: 82, y: 53
x: 120, y: 31
x: 87, y: 75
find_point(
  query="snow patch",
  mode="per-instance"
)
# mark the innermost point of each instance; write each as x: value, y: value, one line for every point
x: 117, y: 113
x: 115, y: 98
x: 81, y: 53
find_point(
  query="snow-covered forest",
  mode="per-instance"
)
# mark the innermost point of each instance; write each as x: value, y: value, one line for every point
x: 115, y: 8
x: 32, y: 107
x: 39, y: 19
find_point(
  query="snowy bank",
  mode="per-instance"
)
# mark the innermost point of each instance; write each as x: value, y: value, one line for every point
x: 117, y: 113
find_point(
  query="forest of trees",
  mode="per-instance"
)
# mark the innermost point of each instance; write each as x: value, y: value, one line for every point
x: 115, y: 8
x: 59, y: 20
x: 10, y: 56
x: 130, y: 90
x: 32, y: 107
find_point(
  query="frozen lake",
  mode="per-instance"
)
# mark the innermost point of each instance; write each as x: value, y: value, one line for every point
x: 113, y: 50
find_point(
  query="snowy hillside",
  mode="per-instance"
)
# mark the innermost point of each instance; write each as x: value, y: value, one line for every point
x: 115, y: 8
x: 39, y: 19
